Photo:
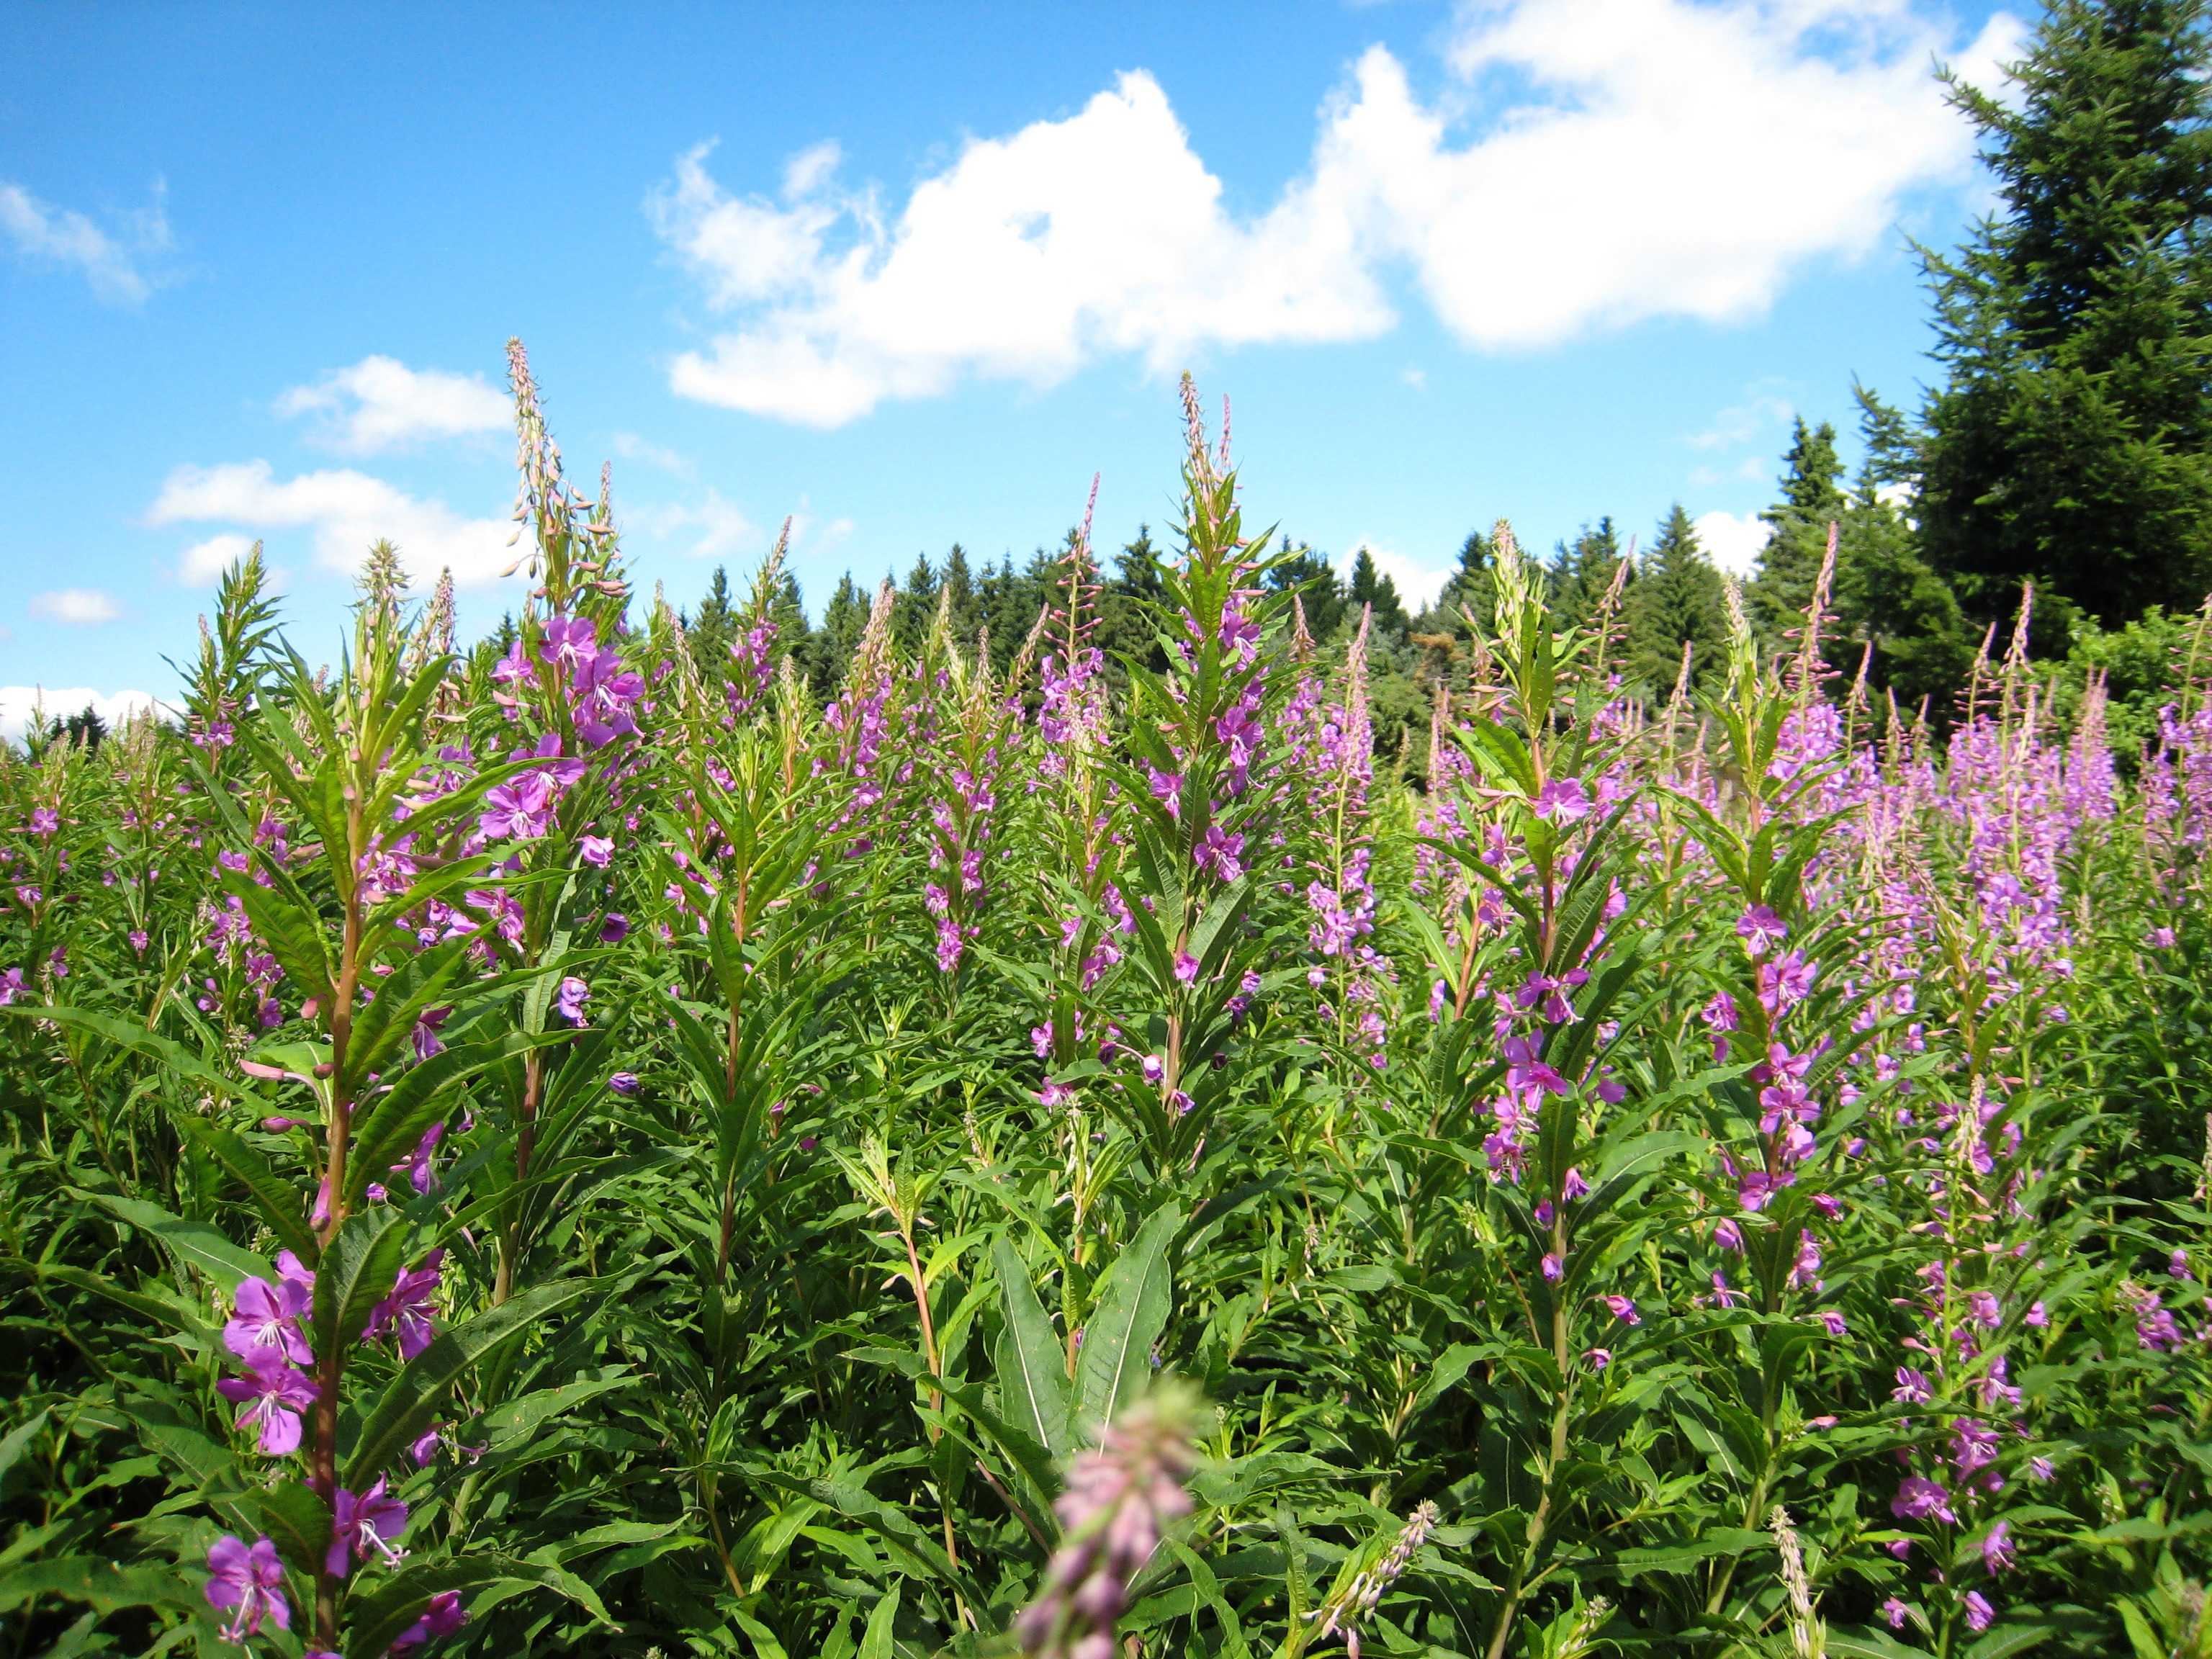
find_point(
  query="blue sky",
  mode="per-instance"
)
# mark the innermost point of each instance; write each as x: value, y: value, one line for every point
x: 912, y: 275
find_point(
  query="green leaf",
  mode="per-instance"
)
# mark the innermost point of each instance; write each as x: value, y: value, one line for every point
x: 20, y: 1437
x: 1129, y: 1316
x: 877, y: 1642
x: 358, y: 1271
x: 2008, y: 1639
x: 416, y: 1101
x: 292, y: 932
x: 129, y: 1035
x: 279, y: 1203
x: 298, y: 1523
x: 102, y: 1584
x: 193, y: 1243
x: 413, y: 1397
x: 401, y: 1599
x: 1032, y: 1366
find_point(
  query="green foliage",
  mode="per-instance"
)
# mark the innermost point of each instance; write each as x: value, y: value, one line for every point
x: 766, y: 1158
x: 2068, y: 444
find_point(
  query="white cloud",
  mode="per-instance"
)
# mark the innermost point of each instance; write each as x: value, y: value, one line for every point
x: 59, y: 702
x: 631, y: 447
x: 1732, y: 541
x: 203, y: 563
x: 111, y: 261
x: 381, y: 403
x: 77, y: 607
x: 1759, y: 412
x: 724, y: 530
x: 1631, y: 159
x: 345, y: 511
x: 1418, y: 584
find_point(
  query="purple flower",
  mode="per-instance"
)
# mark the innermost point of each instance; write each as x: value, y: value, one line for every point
x: 249, y: 1580
x: 44, y: 821
x: 1186, y: 967
x: 1919, y: 1498
x: 1573, y: 1186
x: 1985, y: 1309
x: 595, y: 850
x: 1219, y: 852
x: 442, y: 1617
x: 2177, y: 1267
x: 1623, y: 1308
x: 1783, y: 984
x: 274, y: 1394
x: 1760, y: 930
x: 569, y: 643
x: 1979, y: 1613
x: 422, y: 1173
x: 427, y: 1448
x: 1729, y: 1236
x: 1563, y: 799
x: 366, y: 1525
x: 409, y: 1311
x: 2040, y: 1471
x: 1913, y: 1388
x: 1893, y: 1611
x: 623, y: 1083
x: 570, y: 1001
x: 266, y: 1318
x: 615, y: 929
x: 1832, y: 1321
x: 1154, y: 1066
x: 1997, y: 1548
x: 1554, y: 1269
x: 1973, y: 1446
x: 1598, y: 1358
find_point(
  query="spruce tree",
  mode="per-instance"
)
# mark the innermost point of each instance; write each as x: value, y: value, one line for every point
x: 1676, y: 598
x: 1368, y: 586
x: 1812, y: 500
x: 1310, y: 575
x: 830, y: 649
x: 1886, y: 595
x: 2068, y: 443
x: 1471, y: 587
x: 1582, y: 574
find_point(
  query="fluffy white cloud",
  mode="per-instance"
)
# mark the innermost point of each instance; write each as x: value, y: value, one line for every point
x: 723, y: 531
x: 1629, y: 158
x: 631, y: 447
x: 78, y: 607
x: 1733, y: 541
x: 113, y: 262
x: 59, y: 702
x: 345, y: 511
x: 201, y: 564
x: 381, y: 403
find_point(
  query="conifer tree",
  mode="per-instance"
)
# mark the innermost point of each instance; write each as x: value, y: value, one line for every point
x: 1310, y: 575
x: 1368, y: 586
x: 1675, y: 598
x: 2071, y: 442
x: 1581, y: 574
x: 844, y: 619
x: 1812, y: 500
x: 1886, y: 595
x: 1471, y: 587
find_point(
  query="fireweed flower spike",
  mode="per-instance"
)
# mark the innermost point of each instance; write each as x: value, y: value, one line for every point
x: 1120, y: 1498
x: 1342, y: 1612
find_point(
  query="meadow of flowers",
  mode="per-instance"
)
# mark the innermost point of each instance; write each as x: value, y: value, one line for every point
x: 569, y: 1146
